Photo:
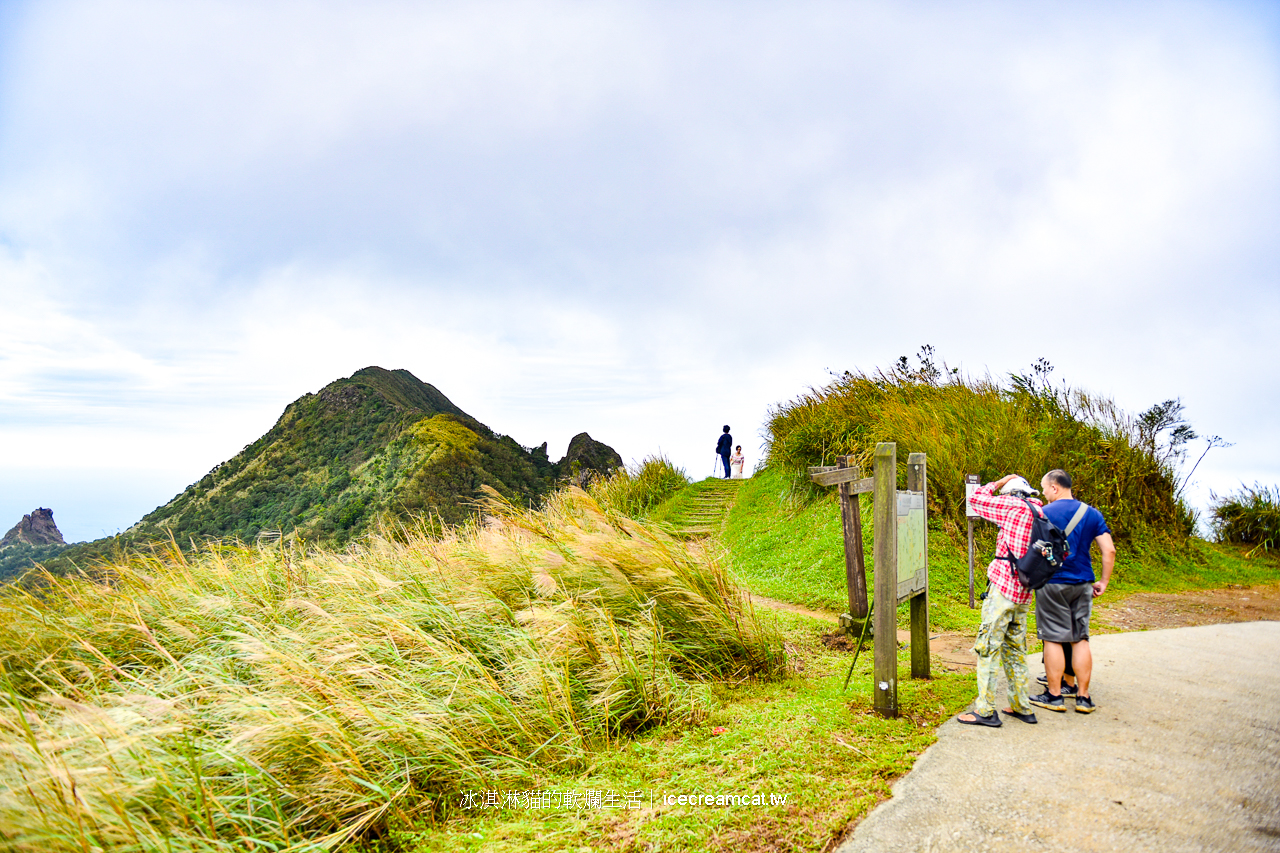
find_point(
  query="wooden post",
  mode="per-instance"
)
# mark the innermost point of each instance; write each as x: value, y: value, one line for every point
x: 886, y: 579
x: 855, y: 571
x: 970, y: 483
x: 971, y: 564
x: 918, y: 481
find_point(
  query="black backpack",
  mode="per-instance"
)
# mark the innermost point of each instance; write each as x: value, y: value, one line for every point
x: 1048, y: 549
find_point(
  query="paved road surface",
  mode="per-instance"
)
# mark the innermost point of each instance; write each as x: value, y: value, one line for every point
x: 1183, y: 754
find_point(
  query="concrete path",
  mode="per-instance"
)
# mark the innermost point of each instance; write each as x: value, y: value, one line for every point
x: 1183, y: 754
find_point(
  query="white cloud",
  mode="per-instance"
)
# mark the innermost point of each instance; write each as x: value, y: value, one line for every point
x: 638, y: 219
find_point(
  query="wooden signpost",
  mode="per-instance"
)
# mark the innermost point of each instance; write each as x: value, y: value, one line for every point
x: 971, y: 482
x: 855, y: 572
x: 900, y: 561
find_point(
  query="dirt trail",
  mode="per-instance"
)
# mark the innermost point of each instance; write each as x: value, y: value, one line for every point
x: 1142, y: 611
x: 954, y: 651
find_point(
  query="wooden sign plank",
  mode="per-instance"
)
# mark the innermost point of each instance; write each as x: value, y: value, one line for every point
x: 858, y: 485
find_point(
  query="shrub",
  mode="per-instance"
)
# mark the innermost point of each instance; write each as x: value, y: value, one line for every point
x: 636, y: 490
x: 1250, y: 517
x: 978, y: 426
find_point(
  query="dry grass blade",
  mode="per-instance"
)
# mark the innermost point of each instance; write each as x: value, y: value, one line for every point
x: 249, y: 696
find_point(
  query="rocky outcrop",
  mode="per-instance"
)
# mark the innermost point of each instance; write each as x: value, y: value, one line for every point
x: 34, y: 529
x: 585, y: 455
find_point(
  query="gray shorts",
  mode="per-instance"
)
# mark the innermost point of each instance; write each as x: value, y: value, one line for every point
x: 1062, y: 612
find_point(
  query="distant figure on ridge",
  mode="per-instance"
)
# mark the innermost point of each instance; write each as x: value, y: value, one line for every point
x: 723, y: 446
x: 736, y: 461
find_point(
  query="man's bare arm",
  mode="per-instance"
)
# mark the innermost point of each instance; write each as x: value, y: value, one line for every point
x: 1108, y: 549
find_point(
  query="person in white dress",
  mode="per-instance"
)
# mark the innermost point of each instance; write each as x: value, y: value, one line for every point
x: 736, y: 461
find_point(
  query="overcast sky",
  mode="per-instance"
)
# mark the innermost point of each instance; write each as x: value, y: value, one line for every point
x: 643, y: 220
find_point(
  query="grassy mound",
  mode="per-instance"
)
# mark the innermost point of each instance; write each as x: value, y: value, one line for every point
x: 636, y: 490
x: 258, y: 698
x: 1123, y: 465
x: 1249, y: 517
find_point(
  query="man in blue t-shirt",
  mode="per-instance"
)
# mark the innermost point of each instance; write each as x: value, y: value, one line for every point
x: 1064, y: 603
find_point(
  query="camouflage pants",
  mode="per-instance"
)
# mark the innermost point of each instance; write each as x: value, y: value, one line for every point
x: 1002, y: 636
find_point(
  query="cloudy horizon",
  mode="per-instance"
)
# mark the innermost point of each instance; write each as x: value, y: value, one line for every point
x: 641, y: 220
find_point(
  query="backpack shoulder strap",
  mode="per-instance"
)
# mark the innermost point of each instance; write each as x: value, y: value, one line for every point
x: 1075, y: 519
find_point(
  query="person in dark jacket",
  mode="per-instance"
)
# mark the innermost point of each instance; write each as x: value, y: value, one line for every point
x: 724, y: 447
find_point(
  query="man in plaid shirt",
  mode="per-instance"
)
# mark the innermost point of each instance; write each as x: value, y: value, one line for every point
x: 1003, y: 634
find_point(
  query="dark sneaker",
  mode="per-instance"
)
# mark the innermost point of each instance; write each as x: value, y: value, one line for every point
x: 1067, y: 689
x: 1048, y: 700
x: 1084, y: 705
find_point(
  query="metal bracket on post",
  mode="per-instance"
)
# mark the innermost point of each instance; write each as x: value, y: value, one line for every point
x: 862, y: 636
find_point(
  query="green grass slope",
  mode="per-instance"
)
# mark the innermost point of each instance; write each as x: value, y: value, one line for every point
x: 789, y: 546
x: 700, y: 508
x: 22, y: 557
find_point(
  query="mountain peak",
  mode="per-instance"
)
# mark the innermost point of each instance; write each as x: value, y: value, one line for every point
x: 590, y: 454
x: 34, y: 529
x: 374, y: 447
x: 401, y: 388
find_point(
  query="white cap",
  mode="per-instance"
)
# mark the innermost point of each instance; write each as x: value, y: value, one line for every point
x: 1018, y: 485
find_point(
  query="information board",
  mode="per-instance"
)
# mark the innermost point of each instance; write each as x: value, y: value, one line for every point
x: 970, y: 483
x: 912, y: 544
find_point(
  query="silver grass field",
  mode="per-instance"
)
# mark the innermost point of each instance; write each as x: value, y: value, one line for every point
x: 276, y: 698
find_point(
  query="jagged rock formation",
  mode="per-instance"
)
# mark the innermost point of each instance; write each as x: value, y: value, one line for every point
x: 586, y: 455
x: 36, y: 529
x: 35, y: 539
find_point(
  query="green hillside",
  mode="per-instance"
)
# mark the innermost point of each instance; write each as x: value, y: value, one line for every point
x: 791, y: 547
x: 34, y: 539
x: 415, y: 690
x: 784, y: 533
x: 376, y: 448
x: 16, y: 559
